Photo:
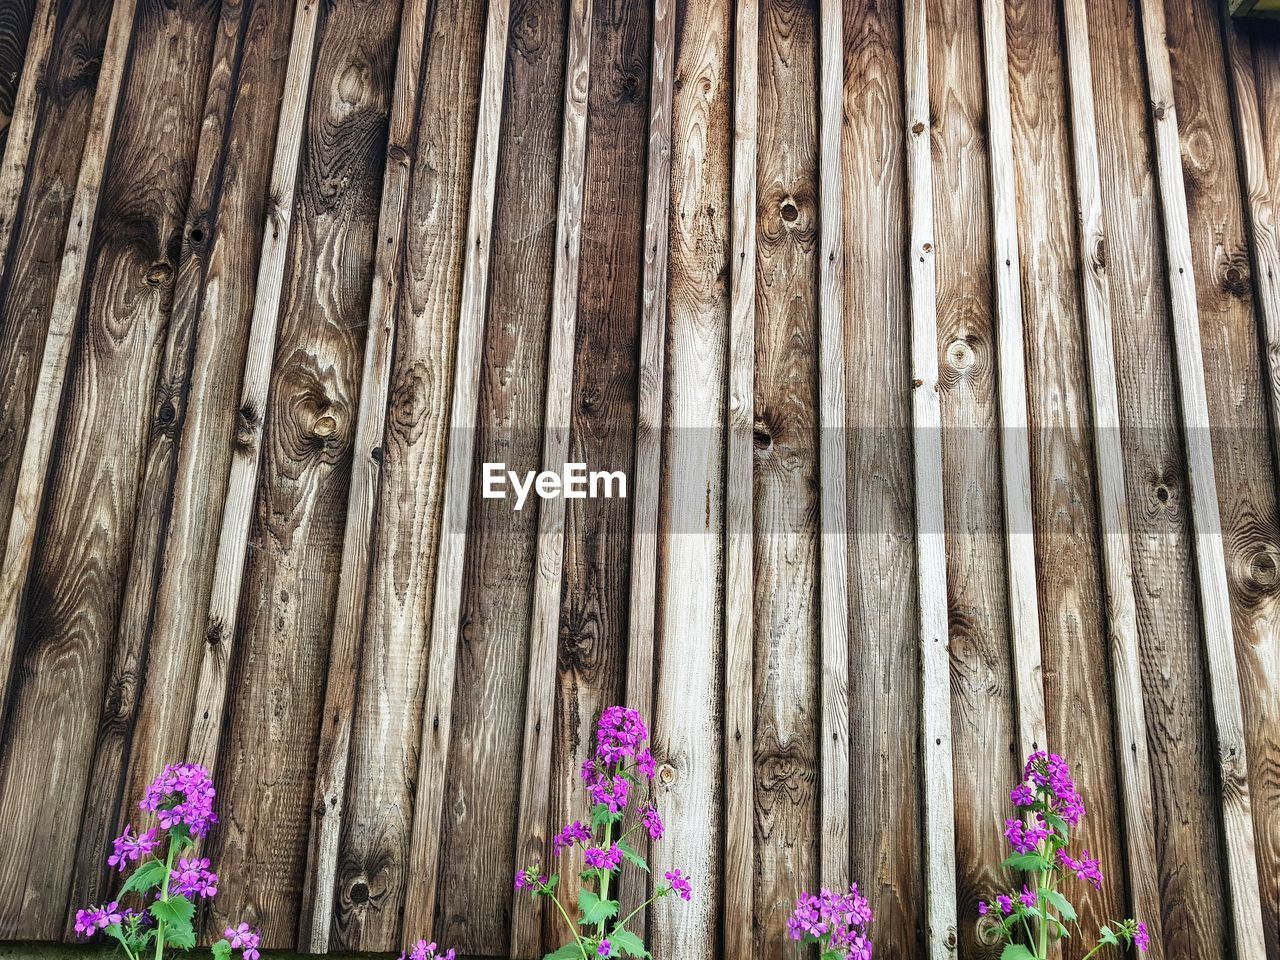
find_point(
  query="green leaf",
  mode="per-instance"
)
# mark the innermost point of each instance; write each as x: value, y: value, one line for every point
x: 567, y: 952
x: 602, y: 816
x: 148, y: 876
x: 176, y: 910
x: 1029, y: 862
x: 626, y: 942
x: 1059, y: 903
x: 630, y: 854
x: 1106, y: 936
x: 594, y: 910
x: 832, y: 955
x: 221, y: 950
x: 183, y: 939
x: 1016, y: 951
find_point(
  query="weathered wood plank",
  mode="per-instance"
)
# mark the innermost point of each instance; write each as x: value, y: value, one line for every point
x: 788, y: 639
x: 1011, y: 390
x: 374, y: 844
x: 533, y: 828
x: 437, y: 718
x: 1182, y: 809
x: 344, y: 675
x: 279, y: 627
x: 939, y: 845
x: 115, y: 323
x: 982, y: 681
x: 832, y: 458
x: 17, y: 17
x: 26, y: 37
x: 1089, y: 621
x: 1211, y: 573
x: 688, y: 728
x: 884, y: 657
x: 646, y: 474
x: 195, y: 393
x: 740, y: 867
x: 30, y: 471
x: 1236, y: 405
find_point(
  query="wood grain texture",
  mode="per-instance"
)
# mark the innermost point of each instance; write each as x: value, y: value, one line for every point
x: 16, y: 20
x: 1208, y: 541
x: 597, y: 553
x: 373, y: 873
x: 26, y: 38
x: 982, y: 681
x: 788, y: 640
x: 425, y: 842
x: 1183, y: 811
x: 274, y: 678
x: 688, y: 723
x: 1091, y: 276
x: 193, y: 400
x: 884, y: 624
x: 117, y: 331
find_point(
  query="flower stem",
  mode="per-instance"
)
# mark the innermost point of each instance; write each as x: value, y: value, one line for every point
x: 164, y: 895
x: 572, y: 926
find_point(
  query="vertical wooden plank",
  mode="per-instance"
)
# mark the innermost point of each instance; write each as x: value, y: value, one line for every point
x: 194, y: 396
x: 646, y: 474
x: 597, y: 560
x: 372, y: 870
x: 1074, y: 607
x: 34, y: 465
x: 983, y: 685
x: 833, y: 455
x: 279, y: 626
x: 425, y: 841
x: 115, y: 331
x: 884, y: 656
x: 1211, y: 573
x: 1011, y: 377
x: 740, y: 734
x: 343, y: 673
x: 26, y: 37
x: 931, y: 564
x: 532, y: 815
x: 1188, y: 841
x: 788, y: 638
x: 688, y: 725
x: 17, y: 17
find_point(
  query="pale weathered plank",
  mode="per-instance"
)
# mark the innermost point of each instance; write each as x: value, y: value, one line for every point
x: 425, y: 841
x: 739, y: 549
x: 941, y: 935
x: 343, y: 673
x: 532, y: 816
x: 20, y: 101
x: 832, y: 456
x: 1211, y: 574
x: 1011, y: 376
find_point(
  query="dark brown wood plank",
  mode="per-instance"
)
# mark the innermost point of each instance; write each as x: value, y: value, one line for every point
x: 82, y: 548
x: 982, y: 683
x: 373, y: 865
x: 1187, y: 832
x: 276, y: 682
x: 478, y: 852
x: 16, y: 18
x: 787, y: 641
x: 883, y: 659
x: 195, y: 398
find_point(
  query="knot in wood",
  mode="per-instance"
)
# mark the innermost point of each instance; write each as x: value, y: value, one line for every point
x: 666, y: 774
x: 159, y: 274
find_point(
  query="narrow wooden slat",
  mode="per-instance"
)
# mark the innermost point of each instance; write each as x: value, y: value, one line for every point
x: 1015, y: 449
x: 532, y: 844
x: 739, y: 549
x: 833, y: 454
x: 931, y: 565
x: 206, y: 719
x: 688, y: 720
x: 21, y: 123
x: 1113, y: 510
x: 38, y: 450
x: 362, y: 495
x: 1211, y: 573
x: 420, y: 897
x: 646, y: 472
x: 16, y: 20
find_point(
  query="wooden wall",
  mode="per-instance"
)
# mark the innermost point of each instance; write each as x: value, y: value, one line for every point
x: 939, y: 340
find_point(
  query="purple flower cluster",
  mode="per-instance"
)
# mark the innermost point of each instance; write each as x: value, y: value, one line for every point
x: 599, y: 858
x: 182, y: 795
x: 130, y: 847
x: 572, y: 835
x: 193, y: 878
x: 1047, y: 777
x: 92, y: 919
x: 1085, y: 868
x: 836, y: 921
x: 244, y: 939
x: 680, y: 884
x: 426, y: 951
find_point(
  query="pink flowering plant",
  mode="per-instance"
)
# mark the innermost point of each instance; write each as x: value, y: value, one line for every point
x: 165, y: 876
x: 620, y: 767
x: 1032, y: 919
x: 836, y: 922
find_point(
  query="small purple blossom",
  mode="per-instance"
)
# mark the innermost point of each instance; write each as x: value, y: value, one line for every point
x: 598, y: 858
x: 680, y: 884
x: 1085, y: 868
x: 652, y: 821
x: 425, y: 951
x: 1005, y: 903
x: 574, y: 833
x: 1141, y: 939
x: 193, y: 878
x: 182, y: 795
x: 130, y: 847
x: 1029, y: 897
x: 92, y: 919
x: 604, y: 949
x: 837, y: 921
x: 620, y: 734
x: 1024, y: 838
x: 244, y: 939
